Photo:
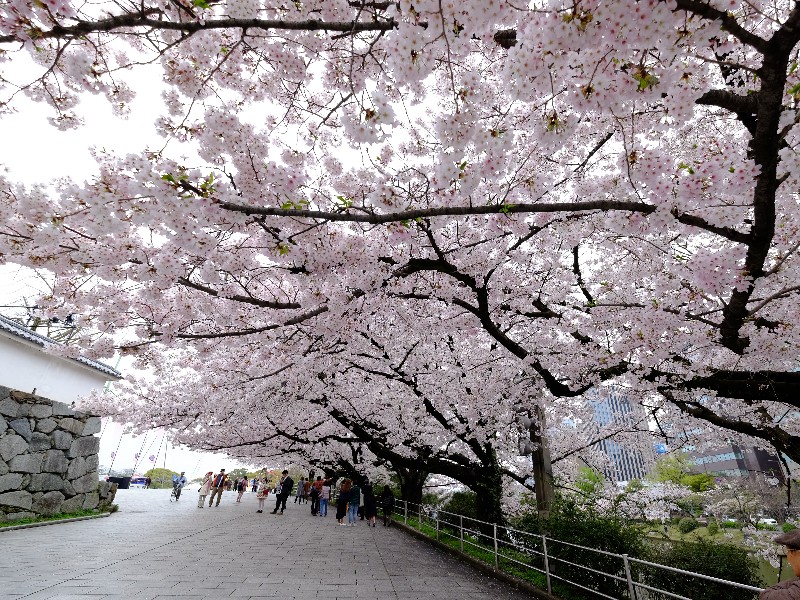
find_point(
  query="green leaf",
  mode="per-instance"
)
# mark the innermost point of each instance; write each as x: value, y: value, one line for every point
x: 201, y: 3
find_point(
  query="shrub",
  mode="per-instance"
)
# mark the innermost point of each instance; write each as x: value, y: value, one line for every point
x: 687, y: 525
x: 787, y: 527
x: 461, y: 503
x: 716, y: 560
x: 729, y: 525
x: 713, y: 528
x: 585, y: 526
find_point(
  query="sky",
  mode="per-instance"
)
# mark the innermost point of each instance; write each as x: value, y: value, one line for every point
x: 35, y: 152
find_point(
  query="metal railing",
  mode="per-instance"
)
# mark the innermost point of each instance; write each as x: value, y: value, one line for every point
x: 557, y: 561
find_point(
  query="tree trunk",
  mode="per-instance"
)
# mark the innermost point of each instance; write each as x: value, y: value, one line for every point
x: 488, y: 489
x: 411, y: 482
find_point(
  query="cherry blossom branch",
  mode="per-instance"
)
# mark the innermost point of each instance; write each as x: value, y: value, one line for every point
x: 238, y: 298
x: 442, y: 211
x: 729, y: 22
x: 140, y: 20
x: 243, y: 332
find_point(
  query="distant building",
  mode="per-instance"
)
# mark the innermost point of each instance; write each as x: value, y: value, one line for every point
x: 735, y: 461
x: 612, y: 407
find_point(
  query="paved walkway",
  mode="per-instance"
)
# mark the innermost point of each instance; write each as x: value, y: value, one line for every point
x: 153, y: 549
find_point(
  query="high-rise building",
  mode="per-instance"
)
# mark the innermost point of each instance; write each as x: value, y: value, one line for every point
x: 627, y: 459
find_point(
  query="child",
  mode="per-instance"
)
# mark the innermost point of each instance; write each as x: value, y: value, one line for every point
x: 263, y: 492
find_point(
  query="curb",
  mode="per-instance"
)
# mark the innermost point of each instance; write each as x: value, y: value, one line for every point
x: 478, y: 564
x: 55, y: 522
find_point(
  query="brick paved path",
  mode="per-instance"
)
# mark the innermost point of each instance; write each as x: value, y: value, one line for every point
x: 156, y: 549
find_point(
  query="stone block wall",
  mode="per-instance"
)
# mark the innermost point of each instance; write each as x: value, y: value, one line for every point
x: 48, y: 458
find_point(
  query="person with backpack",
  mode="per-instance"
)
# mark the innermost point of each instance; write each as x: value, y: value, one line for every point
x: 217, y: 487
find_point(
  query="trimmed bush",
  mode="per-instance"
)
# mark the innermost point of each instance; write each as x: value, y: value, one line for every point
x: 687, y: 525
x: 787, y: 527
x: 716, y: 560
x: 713, y: 528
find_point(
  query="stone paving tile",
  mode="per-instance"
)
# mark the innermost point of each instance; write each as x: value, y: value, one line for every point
x: 155, y: 549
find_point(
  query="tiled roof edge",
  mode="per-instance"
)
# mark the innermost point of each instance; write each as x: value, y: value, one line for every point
x: 18, y: 330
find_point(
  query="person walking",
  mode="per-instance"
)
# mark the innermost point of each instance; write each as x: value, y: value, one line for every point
x: 300, y: 489
x: 241, y: 486
x: 342, y: 500
x: 353, y: 501
x: 324, y: 498
x: 217, y: 487
x: 261, y: 494
x: 306, y: 490
x: 387, y: 504
x: 204, y: 489
x: 286, y: 485
x: 370, y: 504
x: 255, y: 484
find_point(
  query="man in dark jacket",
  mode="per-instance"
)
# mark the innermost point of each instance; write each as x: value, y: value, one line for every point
x: 789, y: 589
x: 287, y: 483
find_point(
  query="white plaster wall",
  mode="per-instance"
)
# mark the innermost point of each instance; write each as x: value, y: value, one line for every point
x: 25, y: 366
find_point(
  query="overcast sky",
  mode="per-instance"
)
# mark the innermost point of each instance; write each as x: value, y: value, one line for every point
x: 35, y: 152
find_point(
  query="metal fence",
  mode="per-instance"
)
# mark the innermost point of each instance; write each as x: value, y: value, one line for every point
x: 557, y: 562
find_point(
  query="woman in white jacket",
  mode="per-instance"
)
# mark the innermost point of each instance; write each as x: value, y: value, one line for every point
x: 206, y: 485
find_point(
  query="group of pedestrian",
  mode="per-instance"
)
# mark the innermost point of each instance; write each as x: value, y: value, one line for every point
x: 354, y: 500
x: 358, y: 501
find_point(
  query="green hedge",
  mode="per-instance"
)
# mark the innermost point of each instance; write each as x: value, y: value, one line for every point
x: 716, y: 560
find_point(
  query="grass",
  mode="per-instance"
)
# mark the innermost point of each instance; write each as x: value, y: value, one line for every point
x: 510, y: 561
x: 42, y: 519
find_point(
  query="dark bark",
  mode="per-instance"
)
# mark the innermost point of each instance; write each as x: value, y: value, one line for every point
x: 411, y: 483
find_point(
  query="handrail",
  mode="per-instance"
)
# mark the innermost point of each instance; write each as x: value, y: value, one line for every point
x: 494, y: 544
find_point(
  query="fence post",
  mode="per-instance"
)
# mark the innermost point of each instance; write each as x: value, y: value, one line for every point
x: 496, y: 560
x: 419, y: 517
x: 437, y: 526
x: 461, y: 530
x: 631, y: 589
x: 546, y: 565
x: 405, y: 512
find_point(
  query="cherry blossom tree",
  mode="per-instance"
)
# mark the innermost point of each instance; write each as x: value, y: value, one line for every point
x: 605, y: 190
